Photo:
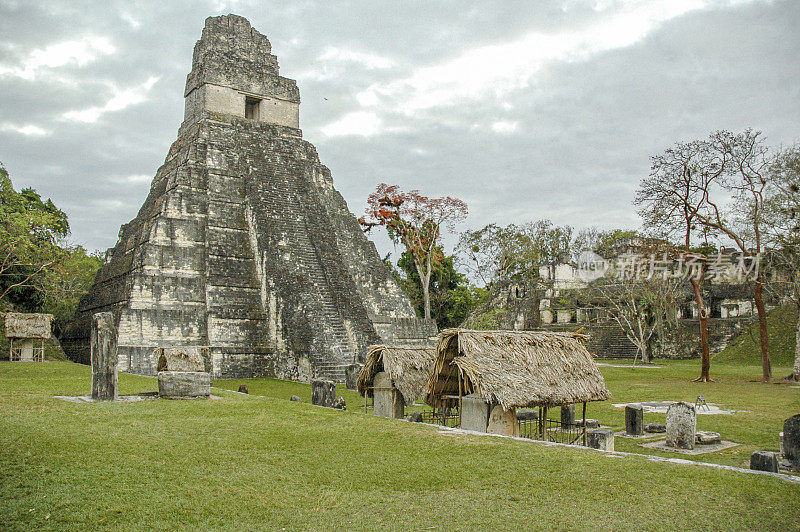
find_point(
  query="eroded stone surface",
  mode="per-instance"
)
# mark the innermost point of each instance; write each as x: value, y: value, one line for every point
x: 681, y: 426
x: 764, y: 461
x: 104, y: 357
x: 634, y: 420
x: 351, y: 374
x: 602, y: 439
x: 177, y: 384
x: 791, y: 440
x: 323, y: 393
x: 388, y: 402
x: 502, y: 421
x: 474, y: 413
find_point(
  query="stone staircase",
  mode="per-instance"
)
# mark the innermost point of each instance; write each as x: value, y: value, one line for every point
x: 284, y: 199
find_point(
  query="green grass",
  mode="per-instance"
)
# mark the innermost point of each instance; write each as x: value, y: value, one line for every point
x: 246, y: 462
x: 781, y: 327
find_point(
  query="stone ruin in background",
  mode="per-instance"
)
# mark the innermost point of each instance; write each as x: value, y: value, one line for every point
x: 243, y: 245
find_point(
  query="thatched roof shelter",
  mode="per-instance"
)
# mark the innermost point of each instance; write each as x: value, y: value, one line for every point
x: 408, y: 367
x: 515, y: 368
x: 19, y: 325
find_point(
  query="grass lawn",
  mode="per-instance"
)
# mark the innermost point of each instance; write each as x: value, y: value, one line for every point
x: 246, y: 462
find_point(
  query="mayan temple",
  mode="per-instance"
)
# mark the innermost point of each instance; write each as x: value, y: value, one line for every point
x: 243, y: 244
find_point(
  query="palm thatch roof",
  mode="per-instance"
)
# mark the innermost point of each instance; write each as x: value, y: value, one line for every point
x: 515, y: 368
x: 408, y: 367
x: 20, y: 325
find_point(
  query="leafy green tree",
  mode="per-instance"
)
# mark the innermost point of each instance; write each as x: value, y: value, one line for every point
x: 66, y: 281
x: 30, y: 231
x: 451, y: 299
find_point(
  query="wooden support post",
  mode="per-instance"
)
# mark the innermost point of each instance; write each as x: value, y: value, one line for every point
x: 544, y: 423
x: 584, y: 423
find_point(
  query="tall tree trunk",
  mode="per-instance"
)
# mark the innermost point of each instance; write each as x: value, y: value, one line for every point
x: 766, y: 365
x: 645, y: 353
x: 705, y: 355
x: 795, y: 376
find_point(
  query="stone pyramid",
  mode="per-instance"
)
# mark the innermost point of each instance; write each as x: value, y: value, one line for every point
x: 243, y: 244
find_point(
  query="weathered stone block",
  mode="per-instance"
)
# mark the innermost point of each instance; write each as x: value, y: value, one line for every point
x: 388, y: 402
x: 414, y: 417
x: 681, y: 426
x: 567, y: 415
x: 503, y: 422
x: 323, y: 393
x: 764, y: 461
x: 706, y: 437
x: 474, y: 413
x: 103, y: 353
x: 791, y: 440
x: 634, y: 420
x: 527, y: 415
x: 655, y: 428
x: 295, y: 399
x: 183, y: 358
x: 351, y: 374
x: 590, y: 423
x: 602, y: 439
x: 339, y: 403
x: 175, y: 384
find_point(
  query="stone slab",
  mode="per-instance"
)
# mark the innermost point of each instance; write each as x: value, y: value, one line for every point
x: 681, y: 426
x: 764, y: 461
x: 351, y: 374
x: 323, y: 393
x: 634, y: 420
x: 791, y: 440
x: 503, y: 422
x: 103, y: 357
x: 474, y: 413
x: 567, y: 415
x: 172, y: 384
x: 700, y: 449
x: 602, y: 439
x: 387, y: 401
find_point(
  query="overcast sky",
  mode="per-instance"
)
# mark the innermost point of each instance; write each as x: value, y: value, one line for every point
x: 526, y: 110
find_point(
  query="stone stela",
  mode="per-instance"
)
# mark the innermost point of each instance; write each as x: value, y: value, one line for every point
x: 104, y: 357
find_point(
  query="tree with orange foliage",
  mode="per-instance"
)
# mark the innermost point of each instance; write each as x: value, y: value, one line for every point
x: 415, y: 221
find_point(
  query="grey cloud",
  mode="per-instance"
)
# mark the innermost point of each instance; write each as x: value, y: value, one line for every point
x: 586, y: 129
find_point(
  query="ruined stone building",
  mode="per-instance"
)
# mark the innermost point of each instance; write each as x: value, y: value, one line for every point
x: 243, y: 244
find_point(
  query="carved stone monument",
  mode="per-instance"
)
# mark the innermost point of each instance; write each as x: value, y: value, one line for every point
x: 323, y: 393
x: 502, y: 421
x: 634, y: 420
x: 567, y: 416
x: 474, y: 413
x: 351, y: 374
x: 791, y: 440
x: 602, y: 439
x: 103, y: 348
x: 387, y: 401
x: 681, y: 426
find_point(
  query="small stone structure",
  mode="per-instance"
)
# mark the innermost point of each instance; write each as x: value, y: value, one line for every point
x: 567, y: 415
x: 634, y: 420
x: 791, y: 440
x: 602, y: 439
x: 183, y: 371
x: 502, y: 421
x: 474, y: 413
x: 655, y: 428
x: 764, y: 461
x: 681, y: 426
x: 323, y: 393
x: 351, y: 374
x: 387, y: 401
x: 26, y: 334
x: 414, y: 417
x: 103, y: 357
